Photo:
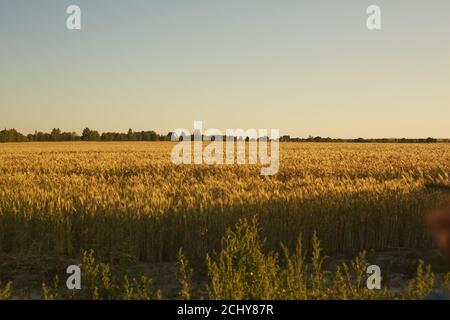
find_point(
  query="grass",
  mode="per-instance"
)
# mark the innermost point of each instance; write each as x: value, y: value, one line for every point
x: 242, y: 271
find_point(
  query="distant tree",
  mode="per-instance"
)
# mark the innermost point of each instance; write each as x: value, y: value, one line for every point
x: 69, y: 136
x: 86, y: 134
x: 130, y: 135
x: 90, y: 135
x: 56, y: 135
x: 12, y: 135
x: 106, y: 136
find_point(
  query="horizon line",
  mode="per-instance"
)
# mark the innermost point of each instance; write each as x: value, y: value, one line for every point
x: 284, y: 136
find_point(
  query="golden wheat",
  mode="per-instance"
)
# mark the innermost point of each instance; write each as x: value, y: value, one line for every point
x: 59, y: 198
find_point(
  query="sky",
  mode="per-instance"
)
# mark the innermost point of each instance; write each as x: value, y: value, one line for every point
x: 304, y: 67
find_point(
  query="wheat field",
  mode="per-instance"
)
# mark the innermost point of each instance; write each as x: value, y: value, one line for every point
x: 60, y: 198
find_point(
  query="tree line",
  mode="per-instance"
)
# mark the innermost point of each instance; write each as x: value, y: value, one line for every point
x: 12, y: 135
x: 361, y: 140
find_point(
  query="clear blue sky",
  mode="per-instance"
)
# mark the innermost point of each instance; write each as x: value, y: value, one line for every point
x: 305, y: 67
